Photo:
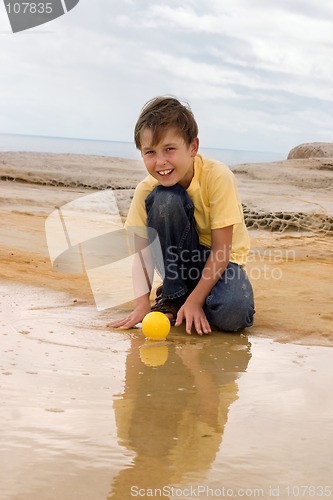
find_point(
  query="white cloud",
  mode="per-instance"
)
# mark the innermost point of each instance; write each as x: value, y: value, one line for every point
x: 254, y: 70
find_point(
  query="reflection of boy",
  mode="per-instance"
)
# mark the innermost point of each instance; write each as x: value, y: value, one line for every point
x: 171, y: 420
x: 193, y: 205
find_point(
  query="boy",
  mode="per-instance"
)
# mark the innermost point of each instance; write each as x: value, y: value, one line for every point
x: 193, y: 206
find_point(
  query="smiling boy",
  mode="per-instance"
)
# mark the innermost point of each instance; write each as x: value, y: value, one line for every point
x: 192, y: 204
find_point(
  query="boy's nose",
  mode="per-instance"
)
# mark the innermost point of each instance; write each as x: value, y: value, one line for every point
x: 160, y: 161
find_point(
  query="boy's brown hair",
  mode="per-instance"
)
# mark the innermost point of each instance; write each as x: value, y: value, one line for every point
x: 162, y: 113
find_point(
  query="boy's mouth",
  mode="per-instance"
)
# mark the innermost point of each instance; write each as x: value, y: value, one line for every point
x: 165, y: 173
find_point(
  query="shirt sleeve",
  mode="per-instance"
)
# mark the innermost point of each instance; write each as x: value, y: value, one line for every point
x: 136, y: 220
x: 225, y: 205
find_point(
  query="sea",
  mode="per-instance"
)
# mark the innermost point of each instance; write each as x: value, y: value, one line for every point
x: 43, y: 144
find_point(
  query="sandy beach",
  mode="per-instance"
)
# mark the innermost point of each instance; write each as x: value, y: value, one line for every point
x: 58, y: 358
x: 288, y: 207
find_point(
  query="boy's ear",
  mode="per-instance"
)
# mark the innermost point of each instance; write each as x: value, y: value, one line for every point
x: 194, y: 146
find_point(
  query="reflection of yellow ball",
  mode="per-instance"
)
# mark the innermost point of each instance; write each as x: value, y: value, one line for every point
x: 154, y: 354
x: 156, y: 325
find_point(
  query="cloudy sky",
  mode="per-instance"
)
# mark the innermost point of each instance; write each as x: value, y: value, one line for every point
x: 258, y: 74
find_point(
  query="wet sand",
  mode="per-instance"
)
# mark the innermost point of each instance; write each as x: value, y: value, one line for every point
x: 88, y: 413
x: 291, y: 273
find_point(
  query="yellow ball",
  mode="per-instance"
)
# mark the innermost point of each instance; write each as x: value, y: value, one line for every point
x: 156, y: 325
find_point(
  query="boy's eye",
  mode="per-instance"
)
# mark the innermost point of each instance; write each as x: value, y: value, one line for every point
x: 149, y: 152
x: 170, y: 149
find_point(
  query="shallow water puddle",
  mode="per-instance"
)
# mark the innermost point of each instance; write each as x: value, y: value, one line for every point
x: 87, y: 413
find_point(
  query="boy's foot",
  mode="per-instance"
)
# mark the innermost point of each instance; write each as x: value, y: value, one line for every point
x: 169, y: 307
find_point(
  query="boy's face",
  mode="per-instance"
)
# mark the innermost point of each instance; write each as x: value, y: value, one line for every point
x: 171, y: 160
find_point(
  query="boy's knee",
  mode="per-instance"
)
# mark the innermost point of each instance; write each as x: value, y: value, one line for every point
x: 168, y: 200
x: 169, y: 195
x: 231, y: 317
x: 234, y: 324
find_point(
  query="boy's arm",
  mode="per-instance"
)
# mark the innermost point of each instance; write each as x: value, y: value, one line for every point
x: 192, y: 310
x: 142, y: 276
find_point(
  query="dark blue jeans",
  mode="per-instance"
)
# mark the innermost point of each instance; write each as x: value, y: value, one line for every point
x: 170, y: 213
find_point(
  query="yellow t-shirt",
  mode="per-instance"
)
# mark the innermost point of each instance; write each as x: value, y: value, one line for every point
x: 213, y: 191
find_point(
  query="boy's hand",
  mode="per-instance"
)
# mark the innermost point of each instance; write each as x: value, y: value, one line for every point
x: 132, y: 319
x: 193, y: 314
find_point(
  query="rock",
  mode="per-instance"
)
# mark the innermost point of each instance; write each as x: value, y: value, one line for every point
x: 288, y: 195
x: 312, y: 150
